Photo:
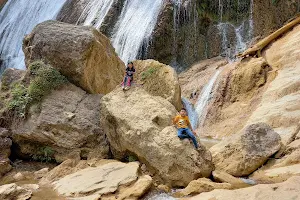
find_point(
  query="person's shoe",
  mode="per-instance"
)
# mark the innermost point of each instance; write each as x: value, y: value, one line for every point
x: 123, y: 88
x: 127, y: 88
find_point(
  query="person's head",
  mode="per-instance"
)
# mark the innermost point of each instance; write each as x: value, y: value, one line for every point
x: 130, y: 65
x: 183, y: 112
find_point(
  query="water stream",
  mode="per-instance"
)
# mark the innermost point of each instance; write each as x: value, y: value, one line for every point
x: 17, y: 19
x: 134, y: 27
x: 95, y: 12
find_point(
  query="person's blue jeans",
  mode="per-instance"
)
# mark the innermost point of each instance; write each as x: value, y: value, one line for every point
x: 187, y: 133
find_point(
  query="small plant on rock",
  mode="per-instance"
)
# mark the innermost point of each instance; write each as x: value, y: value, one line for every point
x: 46, y: 79
x: 20, y: 99
x: 44, y: 154
x: 148, y: 73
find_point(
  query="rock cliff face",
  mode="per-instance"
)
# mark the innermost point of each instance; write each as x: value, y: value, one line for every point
x: 271, y: 15
x: 80, y: 53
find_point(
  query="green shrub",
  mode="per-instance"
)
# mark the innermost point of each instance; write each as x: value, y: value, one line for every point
x: 47, y: 79
x: 44, y: 79
x: 148, y: 73
x: 274, y: 2
x: 20, y: 99
x: 132, y: 158
x: 44, y: 154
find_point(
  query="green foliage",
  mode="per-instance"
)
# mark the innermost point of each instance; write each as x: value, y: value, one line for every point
x: 274, y: 2
x: 132, y: 158
x: 44, y: 79
x: 44, y: 154
x: 20, y: 99
x: 148, y: 73
x: 47, y: 79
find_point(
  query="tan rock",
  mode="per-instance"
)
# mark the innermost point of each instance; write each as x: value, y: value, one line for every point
x: 18, y: 177
x: 100, y: 180
x: 139, y: 188
x: 201, y: 185
x: 224, y: 177
x: 163, y: 188
x: 82, y: 54
x: 12, y: 191
x: 41, y: 173
x: 281, y: 191
x: 142, y: 126
x: 50, y: 134
x: 67, y: 167
x: 243, y: 153
x: 283, y: 171
x: 280, y: 106
x: 159, y: 80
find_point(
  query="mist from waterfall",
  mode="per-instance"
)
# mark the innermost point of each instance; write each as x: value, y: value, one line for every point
x: 18, y: 18
x: 95, y: 12
x: 134, y: 27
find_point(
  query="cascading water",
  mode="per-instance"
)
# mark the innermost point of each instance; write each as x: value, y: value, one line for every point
x: 198, y: 112
x: 95, y: 12
x: 203, y: 99
x: 243, y: 33
x: 193, y: 115
x: 17, y: 19
x: 135, y: 26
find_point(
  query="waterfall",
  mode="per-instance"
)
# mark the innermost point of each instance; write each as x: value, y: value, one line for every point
x: 95, y: 12
x: 197, y: 113
x: 17, y: 19
x: 193, y: 115
x: 221, y: 10
x: 204, y: 98
x: 134, y: 27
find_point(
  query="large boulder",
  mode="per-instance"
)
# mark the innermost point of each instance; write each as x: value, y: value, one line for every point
x: 82, y: 54
x: 224, y: 177
x: 281, y: 191
x: 138, y: 124
x: 159, y: 80
x: 243, y: 153
x: 5, y: 144
x: 65, y: 125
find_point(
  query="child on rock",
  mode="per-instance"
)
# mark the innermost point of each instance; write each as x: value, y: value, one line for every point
x: 184, y: 127
x: 130, y: 70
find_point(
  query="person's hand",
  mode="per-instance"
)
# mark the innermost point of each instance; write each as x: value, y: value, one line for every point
x: 194, y: 132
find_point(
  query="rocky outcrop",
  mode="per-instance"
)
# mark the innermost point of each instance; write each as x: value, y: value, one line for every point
x: 138, y: 124
x: 5, y: 144
x: 282, y: 191
x: 12, y: 191
x: 201, y: 185
x: 280, y: 106
x: 65, y: 125
x: 159, y: 80
x: 242, y: 154
x: 97, y: 181
x: 224, y: 177
x: 82, y: 54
